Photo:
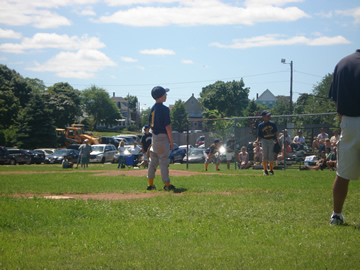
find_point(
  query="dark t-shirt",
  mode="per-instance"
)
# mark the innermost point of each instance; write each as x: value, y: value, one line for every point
x: 345, y: 87
x: 230, y: 145
x: 267, y: 130
x: 159, y: 118
x: 146, y: 141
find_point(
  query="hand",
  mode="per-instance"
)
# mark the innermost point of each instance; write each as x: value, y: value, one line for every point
x: 171, y: 146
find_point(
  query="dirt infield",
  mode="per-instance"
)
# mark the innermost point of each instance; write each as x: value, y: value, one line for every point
x: 104, y: 196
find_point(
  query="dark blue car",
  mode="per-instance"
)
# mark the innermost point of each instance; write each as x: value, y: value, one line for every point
x: 177, y: 154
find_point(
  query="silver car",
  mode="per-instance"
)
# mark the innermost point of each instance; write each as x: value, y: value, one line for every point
x: 102, y: 153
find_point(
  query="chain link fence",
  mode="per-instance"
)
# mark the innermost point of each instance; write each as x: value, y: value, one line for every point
x: 245, y: 131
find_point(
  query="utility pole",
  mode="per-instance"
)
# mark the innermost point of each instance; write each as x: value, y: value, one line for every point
x: 291, y: 84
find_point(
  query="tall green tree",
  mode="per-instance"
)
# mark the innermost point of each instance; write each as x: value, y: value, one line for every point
x: 98, y: 104
x: 229, y: 99
x: 144, y: 117
x: 35, y: 127
x: 317, y: 102
x: 9, y: 108
x: 282, y: 106
x: 65, y: 102
x: 178, y: 116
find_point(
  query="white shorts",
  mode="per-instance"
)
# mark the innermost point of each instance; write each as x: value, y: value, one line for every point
x: 348, y: 149
x: 230, y: 155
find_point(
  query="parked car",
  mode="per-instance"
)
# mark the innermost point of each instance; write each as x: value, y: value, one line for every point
x: 177, y: 154
x: 129, y: 140
x: 36, y: 157
x: 200, y: 140
x: 184, y: 146
x: 103, y: 153
x: 4, y: 155
x: 19, y: 156
x: 109, y: 140
x: 46, y: 151
x: 196, y: 155
x: 58, y: 156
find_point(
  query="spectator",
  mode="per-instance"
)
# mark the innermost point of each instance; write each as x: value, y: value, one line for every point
x: 315, y: 144
x: 121, y: 150
x: 135, y: 150
x: 328, y: 144
x: 85, y: 150
x: 335, y: 138
x: 288, y: 152
x: 320, y: 164
x: 321, y: 145
x: 287, y: 138
x: 230, y: 150
x: 66, y: 164
x: 298, y: 142
x: 322, y: 134
x: 331, y: 163
x: 243, y: 159
x: 257, y: 153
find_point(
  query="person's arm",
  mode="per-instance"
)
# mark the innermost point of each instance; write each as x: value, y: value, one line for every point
x: 169, y: 134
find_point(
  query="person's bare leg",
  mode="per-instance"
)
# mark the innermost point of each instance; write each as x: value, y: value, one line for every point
x: 340, y: 190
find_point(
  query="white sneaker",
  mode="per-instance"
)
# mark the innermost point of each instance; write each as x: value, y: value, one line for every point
x: 336, y: 220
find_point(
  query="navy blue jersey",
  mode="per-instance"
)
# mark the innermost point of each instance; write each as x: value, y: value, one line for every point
x: 146, y: 141
x: 267, y: 130
x: 159, y: 118
x: 345, y: 87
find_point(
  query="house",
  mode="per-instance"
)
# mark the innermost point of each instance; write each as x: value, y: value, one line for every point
x: 266, y: 98
x: 122, y: 104
x: 194, y: 109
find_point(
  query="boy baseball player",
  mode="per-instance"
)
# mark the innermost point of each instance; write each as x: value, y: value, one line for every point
x: 267, y: 133
x: 162, y: 142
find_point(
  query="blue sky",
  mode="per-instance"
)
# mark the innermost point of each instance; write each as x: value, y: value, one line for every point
x: 129, y: 46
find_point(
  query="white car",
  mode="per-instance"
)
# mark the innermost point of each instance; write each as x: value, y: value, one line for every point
x: 184, y: 146
x: 102, y: 153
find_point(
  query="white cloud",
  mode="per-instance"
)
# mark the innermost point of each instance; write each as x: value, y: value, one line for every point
x: 158, y: 52
x: 323, y: 14
x: 187, y: 62
x: 355, y: 12
x: 22, y: 12
x: 87, y: 12
x: 82, y: 64
x: 279, y: 40
x: 210, y: 12
x: 45, y: 40
x: 9, y: 34
x: 128, y: 59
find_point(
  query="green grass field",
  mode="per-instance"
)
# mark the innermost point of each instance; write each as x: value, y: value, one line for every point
x: 232, y: 220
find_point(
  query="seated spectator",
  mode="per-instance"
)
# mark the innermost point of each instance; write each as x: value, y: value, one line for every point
x: 315, y: 144
x: 288, y: 152
x: 243, y: 159
x: 257, y: 153
x: 334, y: 139
x: 66, y: 164
x: 331, y: 163
x: 135, y: 151
x: 298, y: 142
x: 322, y: 134
x: 321, y: 145
x: 328, y: 144
x: 320, y: 164
x: 287, y: 138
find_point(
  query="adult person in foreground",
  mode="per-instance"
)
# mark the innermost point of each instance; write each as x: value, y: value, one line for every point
x: 267, y: 133
x: 345, y: 92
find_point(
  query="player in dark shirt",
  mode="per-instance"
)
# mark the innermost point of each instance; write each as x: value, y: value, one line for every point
x: 345, y: 92
x: 162, y: 141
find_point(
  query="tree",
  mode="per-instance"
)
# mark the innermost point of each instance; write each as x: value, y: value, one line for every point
x: 178, y: 116
x: 36, y: 84
x: 317, y: 102
x: 133, y: 106
x: 98, y: 104
x: 65, y: 102
x: 282, y: 106
x: 144, y: 117
x: 229, y: 99
x: 10, y: 80
x: 35, y: 126
x: 9, y: 108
